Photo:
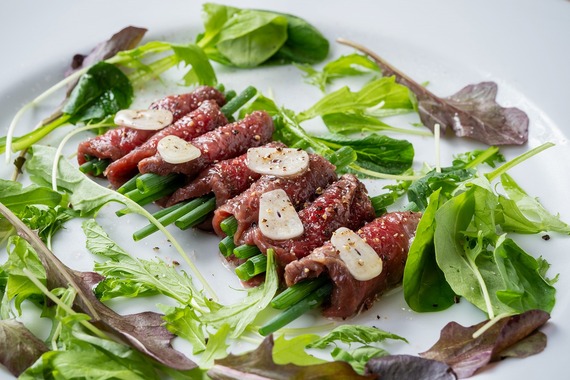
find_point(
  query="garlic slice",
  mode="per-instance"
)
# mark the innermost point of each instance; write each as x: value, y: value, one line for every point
x: 278, y: 219
x: 282, y: 162
x: 150, y: 120
x: 175, y: 150
x: 360, y: 258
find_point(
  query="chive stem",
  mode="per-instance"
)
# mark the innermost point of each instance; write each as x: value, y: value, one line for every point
x: 227, y: 246
x: 252, y: 267
x: 197, y: 215
x: 168, y: 216
x: 246, y: 251
x: 229, y: 225
x: 131, y: 184
x: 150, y: 182
x: 238, y: 101
x: 294, y: 294
x: 313, y: 300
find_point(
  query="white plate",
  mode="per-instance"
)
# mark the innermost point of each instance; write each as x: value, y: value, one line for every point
x: 522, y: 45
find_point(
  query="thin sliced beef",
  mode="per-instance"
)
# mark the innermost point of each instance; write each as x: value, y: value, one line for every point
x: 181, y: 104
x: 118, y: 142
x: 195, y: 123
x: 389, y: 235
x: 345, y: 203
x: 225, y: 179
x: 222, y: 143
x: 301, y: 189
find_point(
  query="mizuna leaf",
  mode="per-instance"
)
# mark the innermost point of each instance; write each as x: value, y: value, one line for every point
x: 465, y: 354
x: 259, y: 364
x: 144, y: 332
x: 471, y: 112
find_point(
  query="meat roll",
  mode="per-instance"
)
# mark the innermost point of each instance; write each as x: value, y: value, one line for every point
x: 223, y: 143
x: 345, y: 203
x: 118, y: 142
x: 225, y: 180
x: 203, y: 119
x: 389, y: 235
x: 300, y: 189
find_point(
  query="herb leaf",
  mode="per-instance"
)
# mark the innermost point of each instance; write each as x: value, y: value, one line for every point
x: 466, y: 354
x: 354, y: 334
x: 425, y: 287
x: 260, y: 363
x: 249, y: 38
x: 471, y: 112
x: 346, y: 65
x: 19, y: 348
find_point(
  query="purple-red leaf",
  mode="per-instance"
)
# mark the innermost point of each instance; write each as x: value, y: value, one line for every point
x: 19, y: 348
x: 144, y: 332
x: 259, y: 365
x: 397, y: 367
x: 126, y: 39
x: 515, y: 335
x: 472, y: 112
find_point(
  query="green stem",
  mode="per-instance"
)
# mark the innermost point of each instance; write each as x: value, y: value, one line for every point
x: 131, y: 184
x: 227, y: 246
x: 229, y: 225
x: 252, y: 267
x: 150, y: 183
x: 239, y: 101
x: 310, y: 302
x: 517, y: 160
x: 197, y: 215
x: 246, y: 251
x: 294, y: 294
x: 168, y: 216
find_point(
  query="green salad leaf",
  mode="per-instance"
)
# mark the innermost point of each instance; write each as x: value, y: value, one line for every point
x: 380, y: 97
x: 425, y: 287
x: 248, y: 38
x: 342, y: 67
x: 354, y: 334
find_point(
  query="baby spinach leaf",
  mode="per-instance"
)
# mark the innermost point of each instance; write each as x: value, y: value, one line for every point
x: 466, y: 353
x: 375, y: 152
x: 85, y: 196
x: 524, y: 287
x: 249, y: 38
x: 101, y: 91
x: 19, y: 348
x: 304, y: 44
x: 425, y: 287
x: 472, y: 256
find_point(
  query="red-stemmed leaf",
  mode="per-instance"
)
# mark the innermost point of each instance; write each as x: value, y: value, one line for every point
x: 510, y: 336
x: 471, y: 112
